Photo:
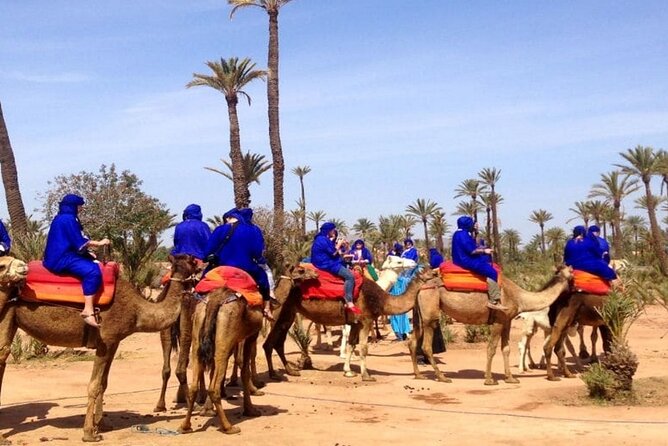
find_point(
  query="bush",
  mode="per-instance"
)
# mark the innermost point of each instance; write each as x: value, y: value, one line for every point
x: 16, y: 348
x: 448, y: 335
x: 477, y: 333
x: 600, y: 382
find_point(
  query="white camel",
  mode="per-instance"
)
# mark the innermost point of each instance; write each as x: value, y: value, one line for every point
x: 533, y: 320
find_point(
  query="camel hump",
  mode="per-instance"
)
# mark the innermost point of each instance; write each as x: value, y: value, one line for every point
x: 234, y: 279
x: 44, y: 286
x: 328, y: 286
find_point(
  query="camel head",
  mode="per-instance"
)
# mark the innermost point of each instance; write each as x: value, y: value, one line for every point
x: 564, y: 271
x: 300, y: 272
x: 183, y: 266
x: 397, y: 263
x: 12, y: 270
x: 426, y: 274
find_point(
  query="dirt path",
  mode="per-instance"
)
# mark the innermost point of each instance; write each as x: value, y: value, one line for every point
x: 43, y: 402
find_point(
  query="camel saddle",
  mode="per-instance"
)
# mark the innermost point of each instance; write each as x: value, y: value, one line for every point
x: 234, y: 279
x: 456, y: 278
x: 585, y: 282
x: 327, y: 286
x: 44, y: 286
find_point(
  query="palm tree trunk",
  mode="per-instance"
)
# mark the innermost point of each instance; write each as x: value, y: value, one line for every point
x: 426, y: 234
x: 10, y: 180
x: 274, y: 127
x: 617, y: 241
x: 657, y: 238
x: 542, y: 238
x: 301, y: 183
x: 239, y: 182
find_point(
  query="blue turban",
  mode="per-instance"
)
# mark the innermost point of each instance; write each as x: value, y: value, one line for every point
x: 579, y: 230
x: 192, y: 212
x: 592, y: 229
x: 466, y: 223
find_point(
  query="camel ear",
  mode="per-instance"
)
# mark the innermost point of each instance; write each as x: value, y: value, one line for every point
x: 170, y: 258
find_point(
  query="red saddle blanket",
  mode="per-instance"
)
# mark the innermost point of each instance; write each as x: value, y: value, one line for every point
x: 589, y: 283
x: 327, y: 285
x: 233, y: 278
x: 456, y: 278
x: 44, y: 286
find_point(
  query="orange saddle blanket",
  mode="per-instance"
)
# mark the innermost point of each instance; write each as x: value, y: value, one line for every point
x: 456, y: 278
x: 590, y: 283
x: 44, y: 286
x: 233, y: 278
x: 327, y: 285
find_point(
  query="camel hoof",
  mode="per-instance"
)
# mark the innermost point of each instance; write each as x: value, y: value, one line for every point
x: 252, y: 412
x: 584, y: 354
x: 257, y: 393
x: 205, y: 412
x: 185, y: 429
x: 276, y: 377
x: 93, y: 438
x: 512, y: 380
x: 553, y: 378
x: 368, y: 378
x: 259, y: 384
x: 233, y: 383
x: 443, y: 379
x: 349, y: 374
x: 160, y: 409
x: 569, y: 375
x: 491, y: 382
x: 232, y: 430
x: 420, y: 376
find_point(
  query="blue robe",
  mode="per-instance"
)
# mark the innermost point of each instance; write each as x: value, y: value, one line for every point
x: 324, y: 254
x: 586, y: 255
x: 5, y: 241
x: 411, y: 253
x: 65, y: 251
x: 192, y: 234
x: 400, y: 323
x: 364, y: 253
x: 463, y: 246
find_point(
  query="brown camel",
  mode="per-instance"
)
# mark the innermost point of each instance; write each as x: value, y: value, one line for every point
x: 220, y: 324
x: 572, y: 307
x: 373, y: 301
x: 470, y: 308
x: 62, y: 325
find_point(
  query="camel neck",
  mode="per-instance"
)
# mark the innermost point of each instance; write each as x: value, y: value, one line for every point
x: 528, y: 301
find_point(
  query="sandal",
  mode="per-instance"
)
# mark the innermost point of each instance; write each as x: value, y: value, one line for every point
x: 354, y: 309
x: 90, y: 319
x: 267, y: 314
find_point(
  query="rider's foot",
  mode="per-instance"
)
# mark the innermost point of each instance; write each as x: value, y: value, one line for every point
x: 496, y: 306
x: 90, y: 319
x: 354, y: 309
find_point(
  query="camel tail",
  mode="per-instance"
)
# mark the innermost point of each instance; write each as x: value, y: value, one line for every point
x: 175, y: 335
x: 207, y: 340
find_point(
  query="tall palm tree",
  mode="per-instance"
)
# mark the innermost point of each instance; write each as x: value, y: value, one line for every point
x: 254, y: 166
x: 423, y: 209
x: 581, y: 210
x: 469, y: 208
x: 636, y: 224
x: 438, y: 227
x: 541, y: 216
x: 10, y: 180
x: 389, y: 228
x: 614, y: 187
x: 512, y: 240
x: 472, y: 189
x: 229, y: 77
x: 641, y: 163
x: 341, y: 226
x: 556, y: 240
x: 301, y: 172
x: 406, y: 223
x: 272, y: 8
x: 489, y: 177
x: 316, y: 217
x: 363, y: 227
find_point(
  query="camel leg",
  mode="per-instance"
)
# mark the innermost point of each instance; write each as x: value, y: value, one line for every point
x: 364, y: 349
x: 412, y: 345
x: 7, y: 333
x: 494, y: 338
x: 222, y: 355
x: 350, y: 348
x: 255, y: 378
x: 505, y: 351
x: 276, y: 340
x: 594, y: 339
x: 100, y: 424
x: 249, y: 388
x: 102, y: 358
x: 559, y: 331
x: 524, y: 351
x: 584, y: 354
x: 427, y: 342
x: 234, y: 377
x: 606, y: 336
x: 185, y: 339
x: 166, y: 343
x: 345, y: 333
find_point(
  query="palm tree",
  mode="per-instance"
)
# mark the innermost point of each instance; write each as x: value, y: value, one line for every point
x: 582, y: 211
x: 363, y: 227
x: 229, y: 77
x: 556, y: 240
x: 254, y: 166
x: 423, y: 209
x: 489, y: 177
x: 389, y: 228
x: 301, y: 172
x: 471, y: 188
x: 272, y: 8
x: 341, y: 226
x: 316, y: 217
x: 469, y: 208
x: 405, y: 223
x: 636, y: 224
x: 641, y: 163
x: 438, y: 227
x: 10, y: 180
x: 512, y: 239
x: 541, y: 216
x: 614, y: 187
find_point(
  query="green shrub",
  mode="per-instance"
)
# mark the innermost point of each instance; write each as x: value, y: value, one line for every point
x: 477, y: 333
x: 600, y: 382
x: 448, y: 335
x: 16, y: 348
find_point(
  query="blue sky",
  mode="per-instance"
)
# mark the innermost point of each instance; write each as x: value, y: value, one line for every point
x: 386, y: 101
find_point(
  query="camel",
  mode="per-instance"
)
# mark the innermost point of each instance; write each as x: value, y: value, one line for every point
x: 373, y: 301
x: 532, y: 321
x: 572, y: 307
x: 220, y: 324
x: 62, y: 325
x: 470, y: 308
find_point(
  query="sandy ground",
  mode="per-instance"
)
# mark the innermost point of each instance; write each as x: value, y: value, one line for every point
x: 43, y: 402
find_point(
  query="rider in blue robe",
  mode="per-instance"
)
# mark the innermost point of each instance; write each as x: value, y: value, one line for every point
x: 192, y: 234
